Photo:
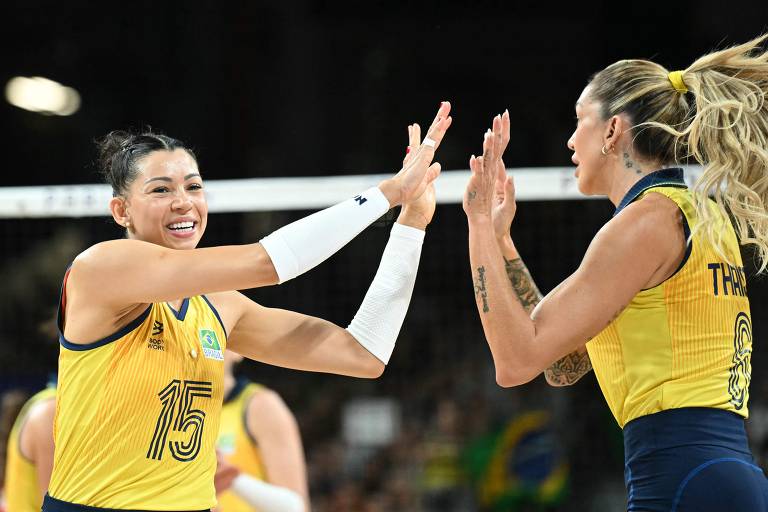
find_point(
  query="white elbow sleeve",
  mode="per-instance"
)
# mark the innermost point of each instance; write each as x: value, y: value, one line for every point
x: 381, y: 315
x: 304, y: 244
x: 267, y: 497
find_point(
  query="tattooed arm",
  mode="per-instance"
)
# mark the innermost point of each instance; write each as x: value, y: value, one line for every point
x: 569, y: 369
x: 636, y: 249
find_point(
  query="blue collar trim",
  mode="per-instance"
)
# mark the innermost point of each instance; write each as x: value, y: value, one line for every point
x: 671, y: 177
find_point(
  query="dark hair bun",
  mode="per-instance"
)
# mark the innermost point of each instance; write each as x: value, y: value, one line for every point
x: 119, y: 151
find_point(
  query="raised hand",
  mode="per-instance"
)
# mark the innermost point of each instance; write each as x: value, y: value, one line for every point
x: 503, y: 212
x: 482, y: 192
x: 419, y: 211
x: 418, y: 171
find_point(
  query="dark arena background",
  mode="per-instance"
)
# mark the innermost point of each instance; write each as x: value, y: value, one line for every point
x: 309, y: 89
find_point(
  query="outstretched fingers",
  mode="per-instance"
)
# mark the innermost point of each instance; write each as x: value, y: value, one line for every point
x: 435, y: 133
x: 504, y: 131
x: 433, y: 172
x: 414, y: 140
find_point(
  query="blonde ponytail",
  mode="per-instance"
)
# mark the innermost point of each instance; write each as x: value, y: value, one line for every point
x: 728, y: 135
x: 725, y: 129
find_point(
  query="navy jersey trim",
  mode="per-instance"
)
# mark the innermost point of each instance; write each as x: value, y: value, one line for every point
x: 217, y: 315
x: 688, y: 249
x: 182, y: 312
x: 672, y: 177
x: 109, y: 339
x: 59, y: 310
x: 236, y: 390
x: 688, y: 246
x: 51, y: 504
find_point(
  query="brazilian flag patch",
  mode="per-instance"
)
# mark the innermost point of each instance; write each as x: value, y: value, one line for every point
x: 210, y: 343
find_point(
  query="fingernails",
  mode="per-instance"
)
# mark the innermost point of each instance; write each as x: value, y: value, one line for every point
x: 506, y: 111
x: 407, y: 149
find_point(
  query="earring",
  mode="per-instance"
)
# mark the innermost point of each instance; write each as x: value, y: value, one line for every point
x: 606, y: 151
x: 128, y: 224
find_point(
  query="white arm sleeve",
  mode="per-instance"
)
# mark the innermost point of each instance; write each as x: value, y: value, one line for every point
x: 304, y: 244
x: 381, y: 315
x: 267, y: 497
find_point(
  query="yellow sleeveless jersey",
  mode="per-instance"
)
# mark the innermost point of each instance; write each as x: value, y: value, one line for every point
x: 686, y: 342
x: 22, y: 492
x: 236, y: 444
x: 138, y: 412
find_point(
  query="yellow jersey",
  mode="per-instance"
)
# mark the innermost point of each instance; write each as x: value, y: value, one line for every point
x: 236, y: 444
x: 22, y: 492
x: 688, y: 341
x: 138, y: 412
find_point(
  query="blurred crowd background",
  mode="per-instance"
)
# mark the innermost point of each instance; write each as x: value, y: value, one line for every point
x: 303, y: 88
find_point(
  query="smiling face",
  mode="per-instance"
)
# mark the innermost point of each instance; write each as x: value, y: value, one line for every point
x: 165, y: 203
x: 586, y: 143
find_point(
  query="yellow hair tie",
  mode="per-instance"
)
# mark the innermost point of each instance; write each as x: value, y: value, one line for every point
x: 676, y: 77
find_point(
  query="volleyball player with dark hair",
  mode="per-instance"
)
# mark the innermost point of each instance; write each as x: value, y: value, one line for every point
x: 658, y: 306
x: 145, y: 321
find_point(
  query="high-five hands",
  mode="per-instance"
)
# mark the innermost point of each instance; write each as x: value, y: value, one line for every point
x: 490, y: 193
x: 418, y: 212
x: 418, y: 170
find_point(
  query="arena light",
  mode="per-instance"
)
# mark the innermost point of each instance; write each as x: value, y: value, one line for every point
x: 42, y: 95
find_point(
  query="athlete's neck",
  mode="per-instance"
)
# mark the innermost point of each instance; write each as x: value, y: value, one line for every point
x: 628, y: 171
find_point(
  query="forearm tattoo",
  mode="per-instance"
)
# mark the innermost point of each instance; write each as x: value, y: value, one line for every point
x: 569, y: 369
x: 480, y: 288
x: 523, y: 284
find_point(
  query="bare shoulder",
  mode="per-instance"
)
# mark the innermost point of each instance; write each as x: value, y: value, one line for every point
x: 42, y: 413
x: 38, y: 427
x: 648, y: 216
x: 267, y: 403
x: 648, y: 232
x: 266, y: 399
x: 101, y: 253
x: 643, y: 224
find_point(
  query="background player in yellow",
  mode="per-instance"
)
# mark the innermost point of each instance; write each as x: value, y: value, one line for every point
x: 141, y: 362
x: 259, y: 435
x: 659, y: 301
x: 29, y: 453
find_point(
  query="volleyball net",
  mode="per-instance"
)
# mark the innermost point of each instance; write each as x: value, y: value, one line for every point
x: 271, y: 194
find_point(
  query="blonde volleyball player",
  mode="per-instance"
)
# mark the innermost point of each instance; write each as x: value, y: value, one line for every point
x: 658, y: 306
x: 145, y: 322
x: 29, y: 459
x: 259, y: 436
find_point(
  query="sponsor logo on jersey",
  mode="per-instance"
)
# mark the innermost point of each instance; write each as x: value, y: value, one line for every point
x: 210, y: 343
x: 153, y: 342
